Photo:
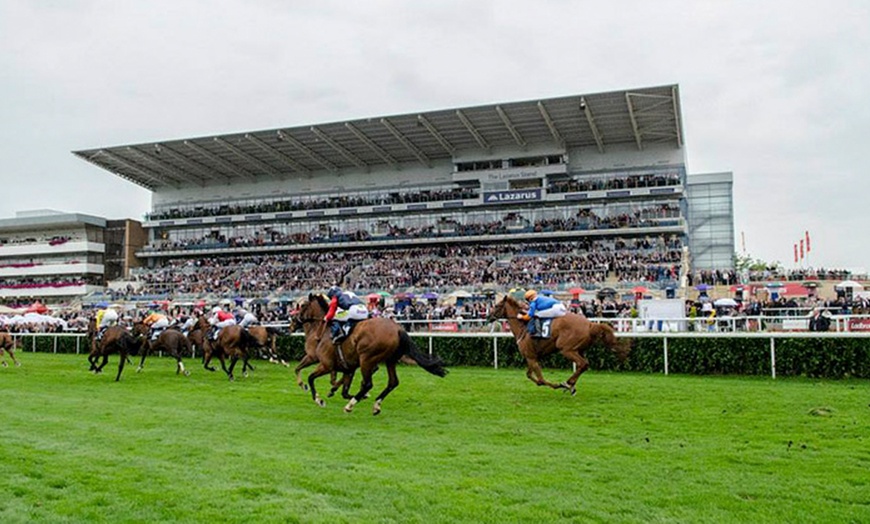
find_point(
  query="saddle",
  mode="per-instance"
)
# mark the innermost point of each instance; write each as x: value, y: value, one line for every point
x: 540, y: 327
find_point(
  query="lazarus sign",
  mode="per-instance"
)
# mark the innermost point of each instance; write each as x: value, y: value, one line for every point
x: 516, y: 195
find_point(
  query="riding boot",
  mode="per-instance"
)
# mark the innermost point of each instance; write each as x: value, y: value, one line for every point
x: 101, y: 332
x: 337, y: 335
x: 530, y: 327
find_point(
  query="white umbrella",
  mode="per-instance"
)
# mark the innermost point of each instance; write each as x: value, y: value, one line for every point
x: 849, y: 284
x: 725, y: 302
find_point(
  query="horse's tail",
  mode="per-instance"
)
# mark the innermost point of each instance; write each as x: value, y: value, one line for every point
x: 607, y: 336
x: 430, y: 363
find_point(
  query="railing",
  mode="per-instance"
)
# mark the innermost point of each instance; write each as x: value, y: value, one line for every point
x: 486, y: 330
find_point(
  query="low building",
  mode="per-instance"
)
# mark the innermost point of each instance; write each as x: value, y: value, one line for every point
x: 54, y: 256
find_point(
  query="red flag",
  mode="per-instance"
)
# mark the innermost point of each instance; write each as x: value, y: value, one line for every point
x: 802, y: 249
x: 795, y: 254
x: 807, y: 234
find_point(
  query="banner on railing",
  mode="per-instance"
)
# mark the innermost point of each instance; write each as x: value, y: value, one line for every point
x: 859, y: 324
x: 444, y: 326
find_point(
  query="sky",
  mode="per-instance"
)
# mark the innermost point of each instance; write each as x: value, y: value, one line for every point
x: 774, y: 91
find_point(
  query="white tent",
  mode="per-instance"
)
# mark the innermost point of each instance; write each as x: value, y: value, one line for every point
x: 849, y: 284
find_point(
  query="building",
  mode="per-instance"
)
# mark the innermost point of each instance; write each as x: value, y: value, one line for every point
x: 590, y: 172
x: 54, y: 256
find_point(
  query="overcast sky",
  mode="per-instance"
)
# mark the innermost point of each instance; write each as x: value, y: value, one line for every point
x: 774, y: 91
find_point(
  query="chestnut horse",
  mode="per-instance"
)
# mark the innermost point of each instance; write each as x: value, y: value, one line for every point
x: 9, y: 344
x: 570, y: 335
x: 115, y: 340
x: 170, y: 341
x: 372, y: 342
x: 234, y: 342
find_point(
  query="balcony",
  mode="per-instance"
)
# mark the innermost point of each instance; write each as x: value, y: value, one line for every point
x: 42, y: 270
x: 37, y: 250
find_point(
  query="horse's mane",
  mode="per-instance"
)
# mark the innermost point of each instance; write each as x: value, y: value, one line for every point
x: 512, y: 301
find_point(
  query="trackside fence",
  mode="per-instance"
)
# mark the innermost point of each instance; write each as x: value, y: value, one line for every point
x: 476, y: 337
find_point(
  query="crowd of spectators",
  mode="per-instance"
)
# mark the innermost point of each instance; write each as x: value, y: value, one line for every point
x: 624, y: 182
x: 511, y: 223
x: 412, y: 195
x: 47, y: 282
x: 278, y: 206
x: 777, y: 273
x: 438, y: 268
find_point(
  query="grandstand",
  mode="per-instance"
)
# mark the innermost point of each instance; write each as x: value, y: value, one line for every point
x: 582, y: 190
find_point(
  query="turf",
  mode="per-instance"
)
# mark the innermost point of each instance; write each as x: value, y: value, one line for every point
x: 477, y: 446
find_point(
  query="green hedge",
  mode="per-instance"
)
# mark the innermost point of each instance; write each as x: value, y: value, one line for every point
x: 821, y: 358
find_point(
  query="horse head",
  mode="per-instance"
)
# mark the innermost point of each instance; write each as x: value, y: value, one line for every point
x: 507, y: 307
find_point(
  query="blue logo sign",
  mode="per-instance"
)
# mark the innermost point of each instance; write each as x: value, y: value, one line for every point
x: 515, y: 195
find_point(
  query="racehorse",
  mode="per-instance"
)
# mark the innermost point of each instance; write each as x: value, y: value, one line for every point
x: 8, y: 343
x: 115, y: 339
x: 570, y: 335
x: 234, y: 342
x: 170, y: 341
x: 266, y: 338
x: 372, y: 342
x: 314, y: 329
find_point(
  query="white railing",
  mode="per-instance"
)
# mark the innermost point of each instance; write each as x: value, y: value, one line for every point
x: 486, y: 330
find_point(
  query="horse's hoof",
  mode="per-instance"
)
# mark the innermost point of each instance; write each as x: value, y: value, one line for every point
x: 232, y: 378
x: 320, y: 402
x: 18, y: 364
x: 331, y: 394
x: 245, y: 374
x: 304, y: 387
x: 186, y: 372
x: 5, y: 365
x: 348, y: 409
x: 139, y: 370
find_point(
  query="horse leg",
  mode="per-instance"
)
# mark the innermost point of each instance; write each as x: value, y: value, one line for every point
x: 392, y: 382
x: 180, y: 367
x: 233, y: 360
x: 3, y: 359
x: 534, y: 368
x: 12, y: 356
x: 582, y: 365
x: 344, y: 384
x: 206, y: 358
x: 121, y: 363
x: 319, y: 371
x: 306, y: 361
x: 103, y: 363
x: 365, y: 386
x: 142, y: 361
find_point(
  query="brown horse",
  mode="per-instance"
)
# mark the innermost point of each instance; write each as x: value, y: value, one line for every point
x: 8, y: 344
x: 372, y: 342
x: 570, y: 335
x: 115, y: 340
x: 266, y: 338
x: 170, y: 341
x: 234, y: 342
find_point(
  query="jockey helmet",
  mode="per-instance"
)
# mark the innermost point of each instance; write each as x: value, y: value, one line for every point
x: 333, y: 292
x: 215, y: 309
x: 530, y: 294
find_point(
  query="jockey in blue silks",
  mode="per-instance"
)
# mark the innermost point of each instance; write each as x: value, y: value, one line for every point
x: 541, y: 306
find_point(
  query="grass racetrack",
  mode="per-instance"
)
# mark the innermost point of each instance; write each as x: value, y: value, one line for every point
x: 477, y: 446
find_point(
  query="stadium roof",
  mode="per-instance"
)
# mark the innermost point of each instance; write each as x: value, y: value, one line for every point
x: 637, y: 116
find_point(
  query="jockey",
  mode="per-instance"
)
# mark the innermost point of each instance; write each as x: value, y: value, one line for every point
x: 105, y: 318
x: 220, y: 319
x: 157, y: 322
x: 185, y: 323
x: 541, y: 306
x: 245, y: 318
x: 344, y: 306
